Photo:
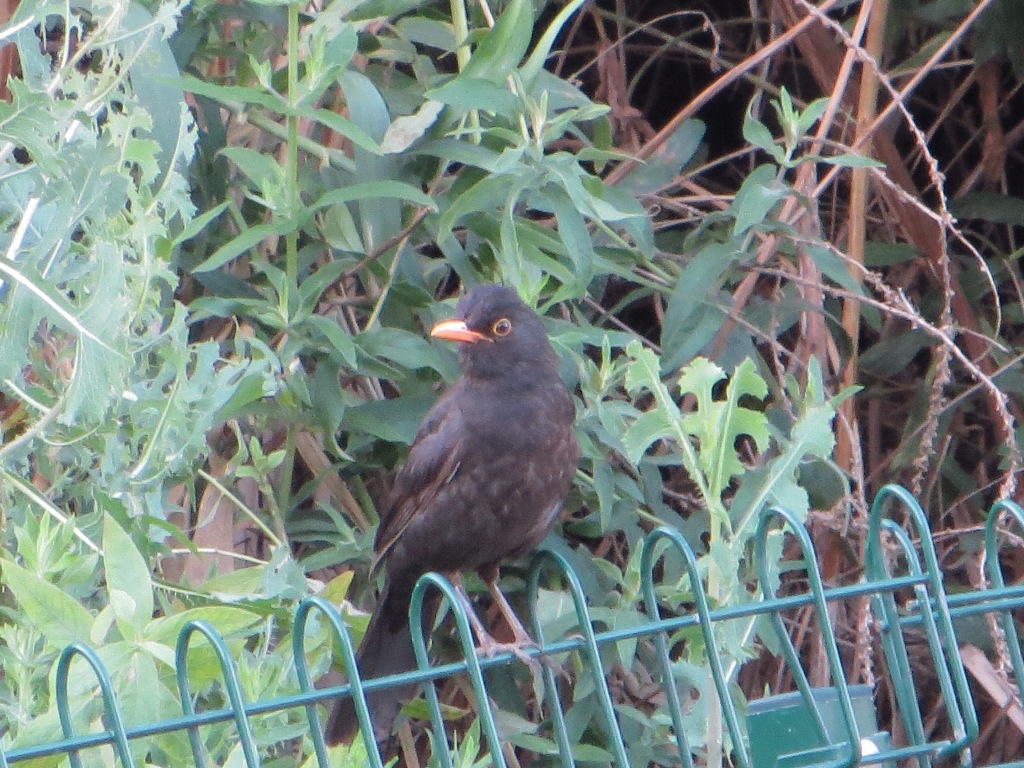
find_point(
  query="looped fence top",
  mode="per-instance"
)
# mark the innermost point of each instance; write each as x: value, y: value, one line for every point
x: 900, y: 561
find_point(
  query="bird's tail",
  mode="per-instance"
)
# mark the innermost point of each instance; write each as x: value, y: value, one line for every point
x: 386, y: 649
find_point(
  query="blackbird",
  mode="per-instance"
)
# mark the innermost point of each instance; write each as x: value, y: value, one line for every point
x: 484, y: 482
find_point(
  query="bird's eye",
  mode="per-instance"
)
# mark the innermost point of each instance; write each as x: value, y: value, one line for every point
x: 502, y: 328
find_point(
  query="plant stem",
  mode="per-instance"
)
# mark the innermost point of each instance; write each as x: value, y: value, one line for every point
x: 291, y: 240
x: 292, y: 151
x: 460, y: 22
x: 241, y: 505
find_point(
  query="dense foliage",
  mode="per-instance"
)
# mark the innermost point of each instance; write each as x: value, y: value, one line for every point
x: 226, y: 226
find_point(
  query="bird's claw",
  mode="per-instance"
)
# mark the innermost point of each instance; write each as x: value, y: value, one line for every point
x: 491, y: 648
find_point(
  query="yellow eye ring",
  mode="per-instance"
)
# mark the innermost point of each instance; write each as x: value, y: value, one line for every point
x: 502, y: 327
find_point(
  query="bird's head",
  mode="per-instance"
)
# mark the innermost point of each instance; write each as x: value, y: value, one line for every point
x: 498, y: 334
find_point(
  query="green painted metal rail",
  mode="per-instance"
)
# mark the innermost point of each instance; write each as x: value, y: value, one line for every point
x: 901, y: 561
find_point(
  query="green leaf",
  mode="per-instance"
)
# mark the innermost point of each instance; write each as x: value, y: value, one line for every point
x: 659, y: 172
x: 834, y: 268
x: 226, y: 619
x: 153, y: 79
x: 534, y: 65
x: 138, y: 684
x: 371, y: 190
x: 757, y: 196
x: 811, y: 437
x: 427, y: 31
x: 57, y: 615
x: 407, y: 349
x: 699, y: 282
x: 645, y: 430
x: 396, y: 421
x: 718, y: 424
x: 260, y: 168
x: 341, y: 126
x: 890, y: 355
x: 504, y: 46
x: 313, y: 286
x: 810, y: 115
x: 465, y: 92
x: 878, y: 254
x: 486, y: 194
x: 233, y: 95
x: 847, y: 160
x: 341, y: 341
x: 126, y: 573
x: 756, y: 133
x: 250, y: 238
x: 198, y: 224
x: 573, y: 231
x: 380, y: 218
x: 989, y: 206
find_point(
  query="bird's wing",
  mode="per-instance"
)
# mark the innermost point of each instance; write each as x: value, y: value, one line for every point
x: 433, y: 461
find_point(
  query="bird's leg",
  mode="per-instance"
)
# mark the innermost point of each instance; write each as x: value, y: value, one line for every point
x: 482, y: 636
x: 488, y: 646
x: 522, y: 637
x: 522, y: 640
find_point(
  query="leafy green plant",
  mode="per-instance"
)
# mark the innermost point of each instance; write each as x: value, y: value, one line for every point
x: 106, y: 402
x: 347, y: 171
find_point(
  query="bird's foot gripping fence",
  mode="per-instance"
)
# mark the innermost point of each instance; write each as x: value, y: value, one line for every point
x: 663, y: 690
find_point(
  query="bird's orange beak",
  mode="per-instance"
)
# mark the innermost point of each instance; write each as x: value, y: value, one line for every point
x: 457, y: 330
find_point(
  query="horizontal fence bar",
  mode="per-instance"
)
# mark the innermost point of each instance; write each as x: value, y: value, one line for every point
x: 999, y: 599
x: 450, y: 669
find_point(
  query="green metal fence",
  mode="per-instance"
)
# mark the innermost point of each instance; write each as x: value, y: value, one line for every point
x: 829, y: 724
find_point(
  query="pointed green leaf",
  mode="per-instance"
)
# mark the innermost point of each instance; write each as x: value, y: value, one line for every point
x: 504, y: 46
x: 538, y: 57
x: 57, y: 615
x: 369, y: 190
x: 757, y: 196
x: 465, y: 92
x: 126, y: 573
x: 250, y: 238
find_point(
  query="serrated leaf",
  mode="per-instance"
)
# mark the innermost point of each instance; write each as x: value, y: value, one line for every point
x: 718, y: 424
x: 646, y: 429
x: 699, y: 379
x: 777, y: 481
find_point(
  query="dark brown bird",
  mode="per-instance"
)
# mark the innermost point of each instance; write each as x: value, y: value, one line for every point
x: 484, y: 482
